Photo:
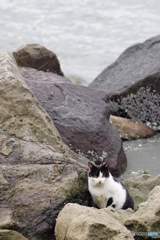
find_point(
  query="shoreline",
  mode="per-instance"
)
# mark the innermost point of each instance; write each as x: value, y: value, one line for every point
x: 142, y: 157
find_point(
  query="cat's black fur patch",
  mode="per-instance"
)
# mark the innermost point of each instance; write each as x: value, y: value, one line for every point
x: 129, y: 201
x: 109, y: 202
x: 99, y: 168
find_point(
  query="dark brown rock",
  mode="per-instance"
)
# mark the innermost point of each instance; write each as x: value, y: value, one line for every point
x: 38, y: 57
x: 129, y: 129
x: 81, y: 116
x: 133, y: 82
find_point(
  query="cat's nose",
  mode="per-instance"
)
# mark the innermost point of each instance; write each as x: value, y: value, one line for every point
x: 99, y: 181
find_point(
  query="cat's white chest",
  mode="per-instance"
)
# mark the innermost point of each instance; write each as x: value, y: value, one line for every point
x: 99, y: 195
x: 100, y: 200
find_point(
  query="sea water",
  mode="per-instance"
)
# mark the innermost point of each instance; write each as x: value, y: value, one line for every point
x: 86, y: 35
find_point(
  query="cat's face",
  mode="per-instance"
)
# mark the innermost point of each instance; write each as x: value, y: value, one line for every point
x: 98, y: 174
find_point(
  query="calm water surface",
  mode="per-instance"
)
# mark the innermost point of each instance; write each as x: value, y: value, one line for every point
x: 86, y: 35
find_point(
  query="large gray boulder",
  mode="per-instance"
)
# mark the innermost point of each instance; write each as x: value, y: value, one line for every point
x: 38, y: 172
x: 133, y: 82
x: 81, y: 116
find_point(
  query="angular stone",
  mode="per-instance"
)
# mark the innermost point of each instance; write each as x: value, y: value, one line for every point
x: 140, y: 187
x: 132, y: 82
x: 147, y: 217
x: 136, y: 67
x: 21, y: 113
x: 6, y: 217
x: 11, y: 235
x: 129, y: 129
x: 38, y: 57
x: 38, y: 172
x: 80, y: 222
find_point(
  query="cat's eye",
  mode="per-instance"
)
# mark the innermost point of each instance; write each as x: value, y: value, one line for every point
x: 95, y: 176
x: 103, y: 175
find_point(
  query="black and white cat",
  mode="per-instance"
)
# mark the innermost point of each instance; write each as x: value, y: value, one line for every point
x: 107, y: 190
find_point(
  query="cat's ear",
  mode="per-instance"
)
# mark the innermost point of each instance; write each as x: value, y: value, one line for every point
x: 90, y: 165
x: 106, y: 165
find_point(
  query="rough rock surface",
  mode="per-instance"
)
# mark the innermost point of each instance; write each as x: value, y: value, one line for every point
x: 38, y: 172
x: 140, y: 187
x: 81, y: 116
x: 129, y: 129
x: 38, y: 57
x: 147, y: 218
x: 21, y: 114
x: 80, y: 222
x: 6, y: 214
x: 133, y: 82
x: 11, y: 235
